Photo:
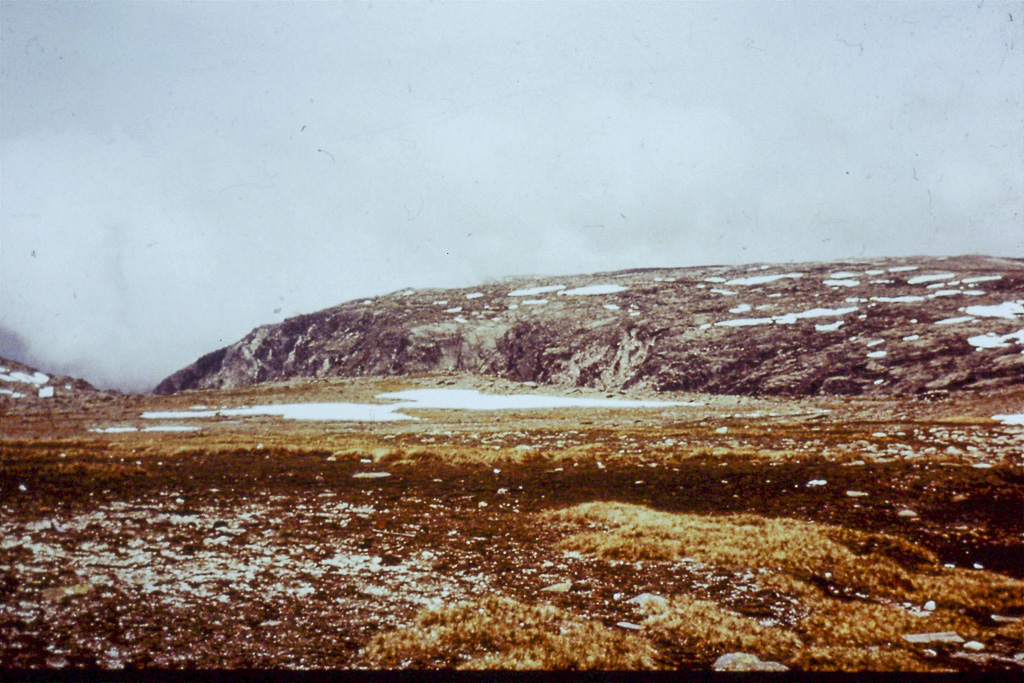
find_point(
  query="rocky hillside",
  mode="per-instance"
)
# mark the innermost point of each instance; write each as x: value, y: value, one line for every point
x: 874, y: 326
x: 19, y: 382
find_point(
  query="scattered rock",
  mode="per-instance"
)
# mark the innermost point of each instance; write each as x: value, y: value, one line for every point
x: 974, y: 645
x: 371, y: 475
x: 1001, y: 619
x: 938, y: 637
x: 856, y: 494
x: 647, y: 600
x: 558, y: 587
x: 817, y: 482
x: 930, y: 606
x: 742, y: 661
x: 630, y: 626
x: 908, y: 514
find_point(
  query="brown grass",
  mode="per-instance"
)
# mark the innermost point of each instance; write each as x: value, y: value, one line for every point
x: 858, y: 626
x: 706, y: 631
x: 499, y: 633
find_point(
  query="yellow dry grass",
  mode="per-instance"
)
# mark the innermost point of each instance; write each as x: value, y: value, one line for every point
x: 872, y: 572
x: 499, y: 633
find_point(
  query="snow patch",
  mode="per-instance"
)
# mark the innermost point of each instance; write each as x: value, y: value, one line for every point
x: 474, y: 295
x: 36, y: 378
x: 12, y: 393
x: 831, y: 327
x: 994, y: 341
x: 842, y: 283
x: 877, y: 354
x: 723, y: 292
x: 897, y: 299
x: 534, y: 302
x: 762, y: 279
x: 742, y: 308
x: 986, y: 278
x: 534, y: 291
x: 46, y: 392
x: 934, y: 277
x: 902, y: 269
x: 955, y: 321
x: 1009, y: 310
x: 455, y: 309
x: 1014, y: 419
x: 594, y: 289
x: 438, y: 399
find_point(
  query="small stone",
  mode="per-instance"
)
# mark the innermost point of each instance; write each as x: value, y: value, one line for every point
x: 721, y: 430
x: 939, y: 637
x: 742, y: 661
x: 558, y: 587
x: 930, y: 606
x: 1000, y: 619
x: 909, y: 514
x: 856, y: 494
x: 501, y: 492
x: 482, y: 504
x: 371, y: 475
x: 645, y: 600
x: 974, y: 645
x: 628, y: 625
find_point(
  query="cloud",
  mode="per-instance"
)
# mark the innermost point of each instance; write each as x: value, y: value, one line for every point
x: 186, y: 172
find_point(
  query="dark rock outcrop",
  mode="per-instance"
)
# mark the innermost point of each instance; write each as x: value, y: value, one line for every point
x: 870, y: 326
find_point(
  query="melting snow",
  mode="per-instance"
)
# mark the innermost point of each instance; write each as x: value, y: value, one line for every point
x: 714, y: 279
x: 830, y: 327
x: 762, y: 279
x: 1015, y: 419
x: 724, y: 292
x: 986, y: 278
x: 534, y: 291
x: 611, y: 307
x: 897, y: 299
x: 535, y: 302
x: 171, y: 428
x: 12, y: 393
x: 744, y: 322
x: 930, y: 278
x: 114, y: 430
x: 474, y: 295
x: 842, y: 283
x: 37, y: 378
x: 912, y: 337
x: 902, y: 269
x: 954, y: 321
x: 446, y: 399
x: 742, y: 308
x: 843, y: 275
x: 877, y: 354
x: 994, y: 341
x: 46, y: 392
x: 455, y: 309
x: 460, y: 319
x: 594, y: 289
x: 1009, y: 310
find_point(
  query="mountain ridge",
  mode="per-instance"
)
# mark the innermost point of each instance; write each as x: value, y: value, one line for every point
x: 880, y: 326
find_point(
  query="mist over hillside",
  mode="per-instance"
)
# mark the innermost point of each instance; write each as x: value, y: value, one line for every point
x: 868, y: 326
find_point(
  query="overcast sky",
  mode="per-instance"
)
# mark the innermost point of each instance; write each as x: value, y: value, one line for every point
x: 174, y: 174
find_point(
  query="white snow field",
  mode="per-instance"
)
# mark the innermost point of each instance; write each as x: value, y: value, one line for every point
x: 442, y: 399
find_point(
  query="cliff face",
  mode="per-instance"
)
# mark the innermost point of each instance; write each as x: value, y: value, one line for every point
x: 877, y: 326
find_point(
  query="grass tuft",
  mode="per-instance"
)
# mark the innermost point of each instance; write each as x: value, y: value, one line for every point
x: 499, y: 633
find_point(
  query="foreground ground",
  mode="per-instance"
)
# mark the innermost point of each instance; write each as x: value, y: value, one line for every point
x: 818, y: 533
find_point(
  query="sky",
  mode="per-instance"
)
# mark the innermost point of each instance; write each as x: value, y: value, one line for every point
x: 174, y: 174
